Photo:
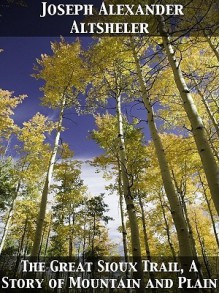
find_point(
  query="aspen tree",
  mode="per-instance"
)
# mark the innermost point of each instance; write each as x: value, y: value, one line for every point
x: 68, y: 199
x: 160, y: 195
x: 42, y: 212
x: 135, y: 237
x: 34, y: 153
x: 198, y: 130
x: 176, y: 210
x: 8, y: 193
x: 61, y: 73
x: 112, y: 83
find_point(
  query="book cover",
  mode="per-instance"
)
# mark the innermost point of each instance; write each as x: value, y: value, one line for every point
x: 109, y: 146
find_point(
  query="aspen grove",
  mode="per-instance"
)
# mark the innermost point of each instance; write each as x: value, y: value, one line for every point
x: 154, y: 105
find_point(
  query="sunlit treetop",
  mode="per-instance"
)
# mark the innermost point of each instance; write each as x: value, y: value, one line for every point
x: 63, y: 73
x: 7, y: 104
x: 33, y: 149
x: 33, y: 132
x: 112, y: 70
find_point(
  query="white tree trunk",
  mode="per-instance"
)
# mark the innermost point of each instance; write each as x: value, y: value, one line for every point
x: 8, y: 221
x: 43, y: 205
x: 198, y: 130
x: 208, y: 110
x: 135, y: 236
x: 7, y: 225
x: 185, y: 249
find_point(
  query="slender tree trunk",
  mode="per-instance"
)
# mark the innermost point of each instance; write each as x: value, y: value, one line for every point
x: 93, y: 234
x: 124, y: 232
x: 70, y: 239
x: 198, y: 130
x: 201, y: 242
x: 135, y: 237
x: 185, y: 249
x: 212, y: 119
x: 48, y: 237
x: 7, y: 225
x: 43, y: 205
x: 20, y: 247
x: 214, y: 149
x: 146, y: 240
x: 182, y: 191
x: 167, y: 228
x: 208, y: 110
x: 25, y: 249
x: 210, y: 210
x: 8, y: 221
x: 89, y: 235
x: 71, y: 233
x: 42, y: 240
x: 84, y: 242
